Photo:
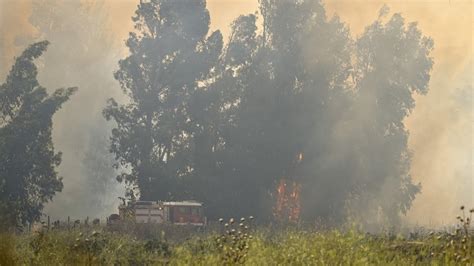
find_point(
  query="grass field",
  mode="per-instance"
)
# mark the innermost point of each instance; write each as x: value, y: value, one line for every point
x: 233, y: 242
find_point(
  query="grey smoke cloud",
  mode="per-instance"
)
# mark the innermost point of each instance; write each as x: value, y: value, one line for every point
x: 82, y: 53
x: 85, y: 49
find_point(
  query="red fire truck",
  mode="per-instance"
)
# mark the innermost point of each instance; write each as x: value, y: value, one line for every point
x: 185, y: 212
x: 173, y: 212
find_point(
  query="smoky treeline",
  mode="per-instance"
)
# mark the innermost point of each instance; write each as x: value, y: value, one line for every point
x: 290, y: 98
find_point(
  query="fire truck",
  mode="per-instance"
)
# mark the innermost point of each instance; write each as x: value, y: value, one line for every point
x: 158, y: 212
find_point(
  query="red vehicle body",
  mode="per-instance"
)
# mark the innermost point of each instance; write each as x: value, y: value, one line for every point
x: 185, y: 212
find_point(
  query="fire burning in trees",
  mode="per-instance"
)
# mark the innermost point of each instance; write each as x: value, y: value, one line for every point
x: 287, y: 205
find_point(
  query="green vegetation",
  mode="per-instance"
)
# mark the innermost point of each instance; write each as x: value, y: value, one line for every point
x: 285, y: 247
x: 238, y: 243
x: 294, y: 100
x: 28, y: 161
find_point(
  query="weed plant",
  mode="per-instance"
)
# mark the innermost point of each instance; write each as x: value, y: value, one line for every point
x: 236, y: 242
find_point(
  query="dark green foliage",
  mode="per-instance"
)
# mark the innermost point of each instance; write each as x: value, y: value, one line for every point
x: 305, y: 87
x: 284, y: 99
x: 170, y: 56
x: 301, y: 100
x: 393, y: 64
x: 28, y: 177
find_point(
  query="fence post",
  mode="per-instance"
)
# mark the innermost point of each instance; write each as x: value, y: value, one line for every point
x: 48, y: 223
x: 68, y: 220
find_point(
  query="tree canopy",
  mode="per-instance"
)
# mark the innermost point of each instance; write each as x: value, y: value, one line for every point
x: 171, y: 55
x: 28, y: 176
x: 299, y: 100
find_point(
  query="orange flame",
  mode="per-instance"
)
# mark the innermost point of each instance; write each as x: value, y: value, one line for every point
x: 287, y: 205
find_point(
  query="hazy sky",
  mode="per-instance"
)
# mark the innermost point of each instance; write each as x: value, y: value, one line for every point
x: 440, y: 126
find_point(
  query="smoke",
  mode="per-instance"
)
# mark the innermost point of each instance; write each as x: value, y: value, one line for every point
x: 87, y: 42
x: 440, y: 125
x: 442, y: 138
x: 82, y: 53
x: 13, y: 38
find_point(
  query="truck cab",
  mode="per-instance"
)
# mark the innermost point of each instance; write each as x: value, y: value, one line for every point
x: 185, y: 212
